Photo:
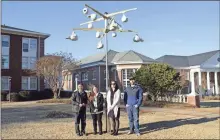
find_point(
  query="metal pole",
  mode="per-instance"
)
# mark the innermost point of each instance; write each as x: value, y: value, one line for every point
x: 10, y: 89
x: 106, y: 72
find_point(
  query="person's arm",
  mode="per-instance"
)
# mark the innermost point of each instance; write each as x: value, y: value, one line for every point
x: 74, y: 102
x: 125, y: 97
x: 115, y: 102
x: 140, y: 96
x: 101, y: 102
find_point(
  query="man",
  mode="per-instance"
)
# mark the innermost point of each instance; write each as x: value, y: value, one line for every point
x: 79, y: 102
x: 133, y: 96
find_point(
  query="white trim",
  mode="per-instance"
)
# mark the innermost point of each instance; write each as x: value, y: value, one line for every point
x: 21, y: 31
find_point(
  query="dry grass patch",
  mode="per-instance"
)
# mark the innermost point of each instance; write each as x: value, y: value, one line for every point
x: 65, y: 101
x: 162, y: 104
x: 157, y: 125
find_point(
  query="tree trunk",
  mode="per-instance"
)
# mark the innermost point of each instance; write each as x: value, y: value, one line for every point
x: 55, y: 93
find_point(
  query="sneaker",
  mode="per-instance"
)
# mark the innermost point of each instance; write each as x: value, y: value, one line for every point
x: 78, y: 134
x: 130, y: 132
x: 100, y: 133
x: 95, y: 133
x: 138, y: 134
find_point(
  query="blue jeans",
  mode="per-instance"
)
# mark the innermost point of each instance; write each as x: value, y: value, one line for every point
x: 133, y: 116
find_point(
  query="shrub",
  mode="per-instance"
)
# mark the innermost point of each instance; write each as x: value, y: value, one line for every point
x: 65, y: 94
x: 14, y: 97
x: 25, y: 95
x: 46, y: 94
x: 3, y: 95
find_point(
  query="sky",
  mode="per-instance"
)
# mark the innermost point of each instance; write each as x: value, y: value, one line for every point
x: 168, y: 28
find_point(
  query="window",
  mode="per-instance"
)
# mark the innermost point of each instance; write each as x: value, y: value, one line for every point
x: 32, y: 62
x: 84, y: 76
x: 24, y: 62
x: 5, y: 40
x: 33, y: 83
x: 33, y: 43
x: 5, y: 62
x: 24, y: 83
x: 94, y: 75
x: 29, y: 83
x: 25, y: 44
x: 28, y: 44
x: 5, y: 82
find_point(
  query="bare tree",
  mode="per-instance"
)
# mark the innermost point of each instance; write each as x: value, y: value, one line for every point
x: 54, y: 68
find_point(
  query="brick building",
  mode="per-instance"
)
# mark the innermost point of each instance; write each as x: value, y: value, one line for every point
x: 20, y: 50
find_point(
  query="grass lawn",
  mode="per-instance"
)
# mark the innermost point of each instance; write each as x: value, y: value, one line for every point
x: 27, y: 121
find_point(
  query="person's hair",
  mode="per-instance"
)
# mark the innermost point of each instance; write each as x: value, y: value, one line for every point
x: 92, y: 94
x: 80, y: 84
x: 116, y: 86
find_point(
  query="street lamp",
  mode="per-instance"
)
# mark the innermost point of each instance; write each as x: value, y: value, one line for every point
x: 110, y: 26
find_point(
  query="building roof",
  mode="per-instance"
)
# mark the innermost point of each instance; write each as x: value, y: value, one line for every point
x: 131, y: 56
x: 9, y: 29
x: 186, y: 61
x: 117, y: 57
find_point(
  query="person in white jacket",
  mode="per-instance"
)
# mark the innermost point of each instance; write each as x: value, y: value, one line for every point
x: 113, y: 109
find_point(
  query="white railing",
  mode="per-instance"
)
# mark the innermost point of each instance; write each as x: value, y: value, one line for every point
x: 181, y: 98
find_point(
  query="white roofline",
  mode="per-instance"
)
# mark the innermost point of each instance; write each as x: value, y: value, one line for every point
x: 21, y: 31
x: 133, y: 62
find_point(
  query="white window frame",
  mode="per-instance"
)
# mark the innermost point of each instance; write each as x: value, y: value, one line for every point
x: 22, y: 83
x: 69, y: 81
x: 25, y: 57
x: 29, y: 83
x: 6, y: 77
x: 6, y: 36
x: 94, y: 75
x: 29, y: 62
x: 85, y: 78
x: 2, y: 66
x: 32, y: 63
x: 29, y: 44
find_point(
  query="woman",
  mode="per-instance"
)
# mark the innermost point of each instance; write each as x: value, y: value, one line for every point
x: 113, y: 102
x: 96, y: 101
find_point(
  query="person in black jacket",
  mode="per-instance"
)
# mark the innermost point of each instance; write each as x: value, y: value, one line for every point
x: 79, y: 102
x: 96, y: 101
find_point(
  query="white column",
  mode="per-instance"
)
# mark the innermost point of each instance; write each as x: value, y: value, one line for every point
x: 216, y: 83
x: 200, y: 78
x: 208, y: 80
x: 76, y: 80
x: 192, y: 83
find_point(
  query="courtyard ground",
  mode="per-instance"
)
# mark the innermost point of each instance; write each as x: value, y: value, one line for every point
x: 26, y: 120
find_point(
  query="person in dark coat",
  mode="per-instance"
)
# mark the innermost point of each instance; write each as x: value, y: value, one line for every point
x: 79, y: 102
x: 96, y: 101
